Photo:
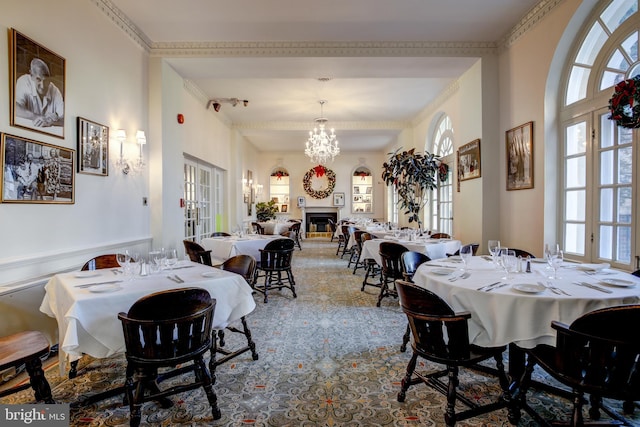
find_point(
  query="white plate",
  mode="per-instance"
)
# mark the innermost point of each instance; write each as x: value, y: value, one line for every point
x: 89, y: 273
x: 109, y: 287
x: 442, y: 271
x: 618, y: 282
x: 531, y: 288
x: 211, y: 273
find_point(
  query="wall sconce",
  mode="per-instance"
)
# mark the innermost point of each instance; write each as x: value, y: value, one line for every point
x: 122, y: 163
x: 246, y: 189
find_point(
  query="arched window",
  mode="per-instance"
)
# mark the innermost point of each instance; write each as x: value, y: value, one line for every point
x: 598, y: 222
x: 439, y: 215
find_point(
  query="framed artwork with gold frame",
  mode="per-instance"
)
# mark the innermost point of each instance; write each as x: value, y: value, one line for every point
x: 519, y: 157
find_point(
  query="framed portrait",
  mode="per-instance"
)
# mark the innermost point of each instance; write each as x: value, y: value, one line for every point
x: 469, y: 161
x: 338, y: 199
x: 519, y: 151
x: 301, y: 202
x: 32, y: 64
x: 356, y: 189
x: 35, y: 172
x: 284, y: 208
x: 93, y: 148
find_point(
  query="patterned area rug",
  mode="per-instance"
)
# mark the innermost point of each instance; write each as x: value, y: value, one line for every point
x: 327, y: 358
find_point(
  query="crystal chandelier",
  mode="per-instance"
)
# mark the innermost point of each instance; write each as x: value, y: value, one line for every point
x: 321, y: 147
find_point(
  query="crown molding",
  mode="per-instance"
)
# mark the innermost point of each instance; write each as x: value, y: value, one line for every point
x: 304, y: 126
x: 124, y: 23
x: 531, y: 19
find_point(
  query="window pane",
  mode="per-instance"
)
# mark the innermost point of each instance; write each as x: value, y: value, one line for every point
x: 625, y: 165
x: 624, y: 245
x: 610, y: 79
x: 606, y: 167
x: 617, y: 12
x: 576, y: 176
x: 607, y: 131
x: 606, y: 205
x: 618, y: 61
x: 630, y: 46
x: 574, y: 240
x: 577, y: 87
x: 575, y: 205
x: 576, y: 139
x: 624, y: 205
x: 591, y: 45
x: 606, y: 236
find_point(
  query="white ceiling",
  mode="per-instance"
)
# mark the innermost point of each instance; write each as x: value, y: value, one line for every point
x: 375, y: 88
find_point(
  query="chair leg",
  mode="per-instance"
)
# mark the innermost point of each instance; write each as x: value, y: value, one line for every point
x: 406, y: 381
x: 250, y: 343
x: 384, y: 290
x: 292, y: 282
x: 73, y: 370
x: 221, y: 337
x: 450, y: 413
x: 203, y: 376
x: 39, y: 383
x: 405, y: 339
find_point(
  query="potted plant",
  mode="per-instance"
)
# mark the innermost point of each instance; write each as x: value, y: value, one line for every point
x: 414, y: 175
x: 266, y: 210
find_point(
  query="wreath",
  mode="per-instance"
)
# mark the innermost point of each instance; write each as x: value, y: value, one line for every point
x: 319, y: 171
x: 625, y: 103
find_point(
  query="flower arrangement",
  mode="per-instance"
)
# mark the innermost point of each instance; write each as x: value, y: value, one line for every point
x: 625, y: 103
x: 319, y: 171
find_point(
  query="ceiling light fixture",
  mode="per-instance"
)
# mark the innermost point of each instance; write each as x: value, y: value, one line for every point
x: 321, y: 147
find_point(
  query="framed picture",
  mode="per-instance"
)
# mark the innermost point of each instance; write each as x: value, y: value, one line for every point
x: 356, y: 189
x: 301, y: 202
x: 35, y: 172
x: 519, y: 151
x: 35, y: 68
x: 338, y: 199
x: 469, y: 161
x: 93, y: 148
x: 357, y: 199
x: 284, y: 208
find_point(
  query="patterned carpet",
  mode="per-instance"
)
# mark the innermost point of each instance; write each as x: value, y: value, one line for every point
x: 327, y: 358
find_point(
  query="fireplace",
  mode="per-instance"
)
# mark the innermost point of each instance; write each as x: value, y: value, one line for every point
x: 319, y: 221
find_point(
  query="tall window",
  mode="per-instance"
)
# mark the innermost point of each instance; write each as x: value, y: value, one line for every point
x: 202, y: 199
x: 440, y: 212
x: 598, y: 185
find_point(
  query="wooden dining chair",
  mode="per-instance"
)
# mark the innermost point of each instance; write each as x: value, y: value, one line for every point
x: 197, y: 253
x: 220, y: 234
x: 410, y: 262
x: 26, y: 348
x: 101, y: 261
x: 474, y: 250
x: 275, y: 267
x: 440, y: 236
x: 598, y: 354
x: 163, y: 330
x: 441, y: 336
x: 391, y: 268
x: 333, y: 228
x: 257, y: 228
x: 356, y: 251
x: 294, y: 234
x: 244, y: 265
x: 372, y: 269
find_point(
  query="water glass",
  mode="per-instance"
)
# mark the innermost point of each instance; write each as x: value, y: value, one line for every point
x: 466, y: 252
x: 172, y: 258
x: 507, y: 260
x: 494, y: 249
x: 555, y: 258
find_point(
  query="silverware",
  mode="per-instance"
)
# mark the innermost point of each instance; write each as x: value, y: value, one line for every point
x: 88, y: 285
x: 184, y: 266
x: 552, y: 289
x: 461, y: 276
x: 178, y: 278
x: 562, y: 291
x: 482, y: 288
x: 592, y: 286
x: 173, y: 279
x: 501, y: 285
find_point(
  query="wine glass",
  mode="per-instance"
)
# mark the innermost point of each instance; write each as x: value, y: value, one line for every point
x: 555, y: 258
x: 507, y: 260
x: 133, y: 266
x: 172, y: 258
x: 494, y: 249
x: 466, y: 252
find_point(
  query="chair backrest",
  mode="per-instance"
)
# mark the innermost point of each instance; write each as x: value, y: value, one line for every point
x: 220, y: 234
x: 101, y: 261
x: 474, y: 249
x: 357, y: 236
x: 636, y: 273
x: 295, y: 228
x: 367, y: 236
x: 521, y: 252
x: 410, y: 262
x: 244, y: 265
x: 332, y: 225
x: 438, y: 332
x: 440, y: 236
x: 257, y: 228
x: 346, y: 232
x: 599, y: 354
x: 277, y: 255
x: 169, y: 326
x: 197, y: 253
x: 390, y: 255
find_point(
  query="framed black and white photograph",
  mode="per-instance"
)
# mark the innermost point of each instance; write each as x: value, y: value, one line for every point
x: 36, y: 172
x: 302, y: 202
x: 338, y: 199
x: 469, y: 161
x: 37, y: 86
x: 93, y: 148
x: 519, y: 150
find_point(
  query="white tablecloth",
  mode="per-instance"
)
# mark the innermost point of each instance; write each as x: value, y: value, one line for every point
x: 507, y: 315
x: 433, y: 248
x: 88, y: 321
x: 223, y: 248
x: 275, y: 227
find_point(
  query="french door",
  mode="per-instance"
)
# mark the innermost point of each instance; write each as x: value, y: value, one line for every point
x: 202, y: 199
x: 599, y: 213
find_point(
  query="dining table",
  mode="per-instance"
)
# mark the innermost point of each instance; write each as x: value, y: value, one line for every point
x: 517, y: 309
x: 86, y: 304
x: 274, y: 227
x: 223, y: 248
x: 433, y: 248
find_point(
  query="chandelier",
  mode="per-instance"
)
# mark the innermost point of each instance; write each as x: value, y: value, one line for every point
x: 321, y: 147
